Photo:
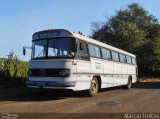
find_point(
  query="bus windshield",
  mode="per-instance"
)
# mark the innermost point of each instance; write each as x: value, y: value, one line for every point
x: 53, y: 48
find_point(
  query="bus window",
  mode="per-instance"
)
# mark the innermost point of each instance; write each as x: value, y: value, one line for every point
x: 129, y: 61
x: 60, y: 47
x: 133, y: 60
x: 39, y: 49
x: 115, y: 56
x: 122, y: 58
x: 106, y: 54
x: 98, y: 54
x: 82, y: 53
x: 94, y: 51
x: 109, y: 55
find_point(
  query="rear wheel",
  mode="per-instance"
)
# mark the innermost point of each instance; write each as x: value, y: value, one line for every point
x: 94, y: 87
x: 129, y: 85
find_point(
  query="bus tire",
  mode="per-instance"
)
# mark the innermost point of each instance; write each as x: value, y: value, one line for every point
x: 94, y: 87
x: 129, y: 85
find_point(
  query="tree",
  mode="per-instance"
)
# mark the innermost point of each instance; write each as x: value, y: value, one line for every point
x: 134, y: 30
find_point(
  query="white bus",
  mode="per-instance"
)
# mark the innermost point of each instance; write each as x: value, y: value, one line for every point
x: 62, y: 59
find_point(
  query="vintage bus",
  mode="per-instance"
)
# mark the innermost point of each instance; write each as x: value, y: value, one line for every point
x: 62, y: 59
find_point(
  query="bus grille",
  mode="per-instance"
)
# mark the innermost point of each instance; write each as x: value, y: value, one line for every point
x: 49, y: 72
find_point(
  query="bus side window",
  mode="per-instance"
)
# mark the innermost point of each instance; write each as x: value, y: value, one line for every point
x: 94, y: 51
x: 133, y: 60
x: 82, y: 51
x: 115, y: 56
x: 122, y: 58
x: 129, y: 61
x: 106, y: 54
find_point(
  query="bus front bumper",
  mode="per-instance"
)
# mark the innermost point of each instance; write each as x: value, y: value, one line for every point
x: 51, y: 85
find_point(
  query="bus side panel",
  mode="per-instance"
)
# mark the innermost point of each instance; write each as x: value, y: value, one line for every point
x: 83, y: 75
x: 97, y: 68
x: 124, y: 79
x: 117, y: 73
x: 132, y: 72
x: 107, y: 81
x: 134, y: 78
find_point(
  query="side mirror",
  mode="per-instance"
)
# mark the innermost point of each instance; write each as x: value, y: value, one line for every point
x: 81, y: 45
x: 24, y: 51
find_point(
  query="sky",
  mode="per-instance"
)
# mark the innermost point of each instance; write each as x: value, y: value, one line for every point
x: 19, y: 19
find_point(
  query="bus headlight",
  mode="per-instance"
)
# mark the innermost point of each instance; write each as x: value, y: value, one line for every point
x: 65, y: 72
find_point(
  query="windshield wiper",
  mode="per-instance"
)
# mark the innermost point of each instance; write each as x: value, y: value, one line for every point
x: 40, y: 53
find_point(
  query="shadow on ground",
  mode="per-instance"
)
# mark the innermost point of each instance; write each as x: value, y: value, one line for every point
x: 47, y: 95
x: 40, y: 95
x: 147, y: 85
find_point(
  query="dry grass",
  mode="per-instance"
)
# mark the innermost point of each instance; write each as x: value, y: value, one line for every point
x: 150, y: 80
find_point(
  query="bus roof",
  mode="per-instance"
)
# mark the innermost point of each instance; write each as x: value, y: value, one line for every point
x: 68, y: 33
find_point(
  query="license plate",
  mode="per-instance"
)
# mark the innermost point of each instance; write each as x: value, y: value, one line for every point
x: 40, y: 84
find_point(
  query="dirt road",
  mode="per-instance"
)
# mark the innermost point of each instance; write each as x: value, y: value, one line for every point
x: 142, y: 98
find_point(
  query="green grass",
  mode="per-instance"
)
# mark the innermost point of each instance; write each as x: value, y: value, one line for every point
x: 18, y: 81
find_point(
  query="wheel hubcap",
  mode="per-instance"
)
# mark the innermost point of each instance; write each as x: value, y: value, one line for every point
x: 94, y: 86
x: 129, y: 85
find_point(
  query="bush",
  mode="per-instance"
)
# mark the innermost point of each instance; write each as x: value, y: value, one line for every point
x: 13, y: 72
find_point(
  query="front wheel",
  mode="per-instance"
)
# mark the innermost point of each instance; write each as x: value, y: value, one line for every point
x: 94, y: 87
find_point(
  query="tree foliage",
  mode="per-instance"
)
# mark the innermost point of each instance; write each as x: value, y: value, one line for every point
x: 135, y: 30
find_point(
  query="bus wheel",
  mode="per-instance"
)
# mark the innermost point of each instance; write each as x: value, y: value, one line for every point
x: 129, y: 85
x: 94, y: 87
